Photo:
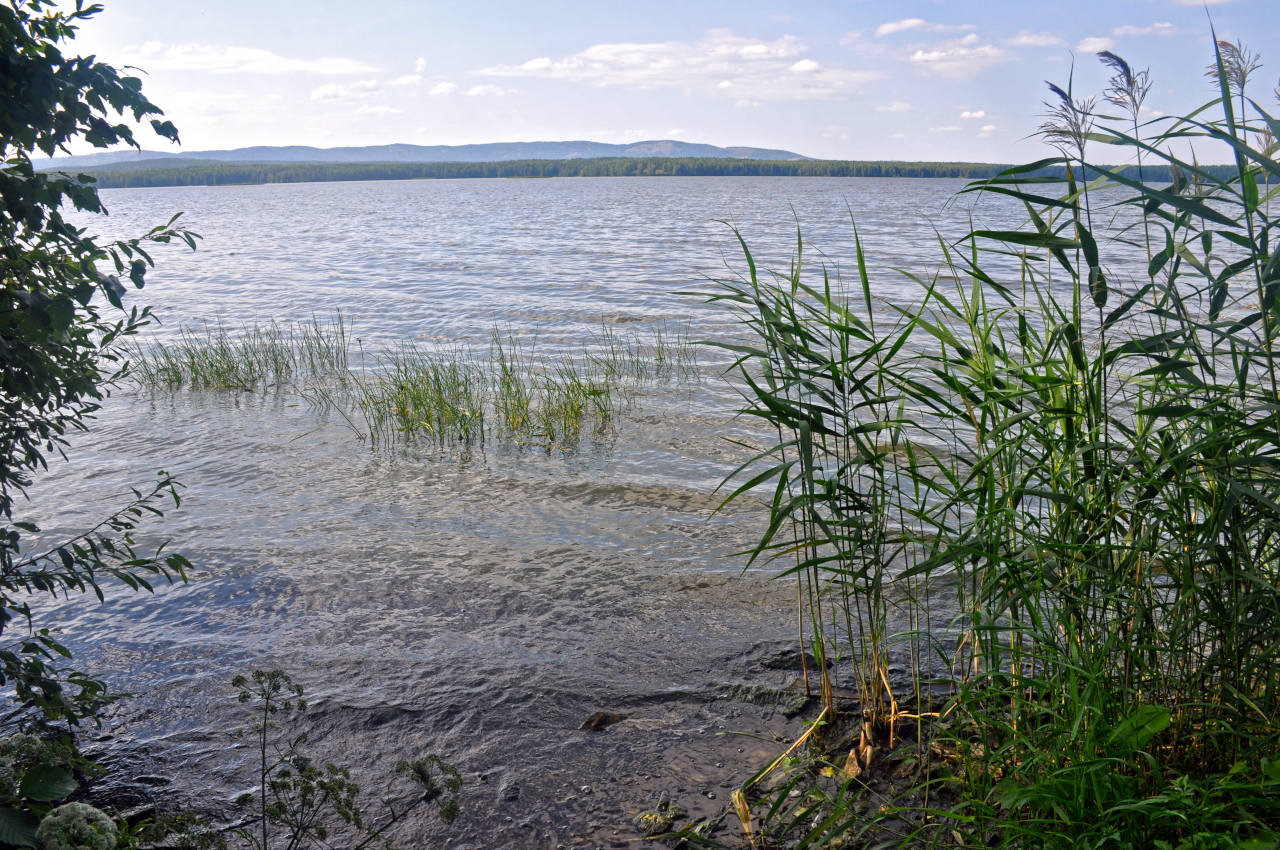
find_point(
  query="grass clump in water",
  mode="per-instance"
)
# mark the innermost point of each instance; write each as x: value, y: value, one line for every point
x: 1076, y: 455
x: 441, y: 395
x: 259, y: 355
x: 510, y: 396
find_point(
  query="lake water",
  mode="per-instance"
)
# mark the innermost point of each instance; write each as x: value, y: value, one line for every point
x: 478, y: 605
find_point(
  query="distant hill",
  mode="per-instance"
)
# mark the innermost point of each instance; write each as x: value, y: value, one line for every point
x: 495, y: 152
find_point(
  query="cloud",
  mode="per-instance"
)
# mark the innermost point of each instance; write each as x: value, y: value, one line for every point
x: 850, y: 38
x: 440, y: 89
x: 987, y: 130
x: 966, y: 114
x: 749, y: 70
x: 338, y: 91
x: 907, y: 24
x: 1094, y: 44
x: 895, y: 106
x: 369, y: 110
x: 960, y: 58
x: 420, y: 65
x: 946, y: 128
x: 406, y: 80
x: 487, y: 91
x: 1026, y: 38
x: 903, y: 25
x: 1161, y: 28
x: 231, y: 59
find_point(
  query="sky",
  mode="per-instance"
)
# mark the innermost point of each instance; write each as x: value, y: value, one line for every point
x: 934, y: 80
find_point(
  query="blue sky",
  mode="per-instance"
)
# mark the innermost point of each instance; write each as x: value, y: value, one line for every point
x: 861, y: 79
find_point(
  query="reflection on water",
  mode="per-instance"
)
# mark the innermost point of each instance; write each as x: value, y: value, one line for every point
x: 483, y: 604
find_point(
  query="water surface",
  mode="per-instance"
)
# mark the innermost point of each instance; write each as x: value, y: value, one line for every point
x: 477, y: 604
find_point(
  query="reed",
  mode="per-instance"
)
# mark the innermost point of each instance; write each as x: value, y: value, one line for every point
x: 1082, y: 463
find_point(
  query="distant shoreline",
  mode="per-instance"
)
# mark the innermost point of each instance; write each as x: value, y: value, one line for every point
x: 157, y: 173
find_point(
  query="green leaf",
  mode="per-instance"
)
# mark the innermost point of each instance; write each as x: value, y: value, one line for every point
x: 1033, y: 240
x: 17, y: 827
x: 1141, y: 726
x: 46, y: 783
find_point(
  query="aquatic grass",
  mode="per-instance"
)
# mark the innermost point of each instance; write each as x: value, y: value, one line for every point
x: 439, y: 394
x: 665, y: 352
x: 509, y: 396
x: 216, y: 358
x: 447, y: 396
x: 1082, y: 465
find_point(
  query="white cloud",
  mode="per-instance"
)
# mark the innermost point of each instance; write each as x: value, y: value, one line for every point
x: 1026, y: 38
x: 231, y: 59
x: 893, y: 27
x: 957, y: 58
x: 406, y: 80
x: 443, y: 89
x: 420, y: 65
x: 1160, y: 28
x: 368, y: 110
x: 986, y: 131
x: 966, y: 114
x: 338, y: 91
x: 1094, y: 44
x: 946, y: 128
x: 895, y: 106
x: 487, y: 91
x: 850, y: 38
x: 747, y: 69
x: 907, y: 24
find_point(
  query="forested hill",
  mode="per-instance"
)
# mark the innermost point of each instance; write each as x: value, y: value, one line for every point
x: 488, y: 152
x: 151, y: 173
x: 196, y: 173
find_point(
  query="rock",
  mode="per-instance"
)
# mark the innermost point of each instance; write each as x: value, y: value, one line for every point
x: 510, y: 791
x: 601, y: 720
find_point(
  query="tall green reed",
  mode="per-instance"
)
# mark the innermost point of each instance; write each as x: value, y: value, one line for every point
x: 1083, y: 463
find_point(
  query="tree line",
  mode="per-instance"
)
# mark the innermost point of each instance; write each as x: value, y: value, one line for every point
x: 224, y: 174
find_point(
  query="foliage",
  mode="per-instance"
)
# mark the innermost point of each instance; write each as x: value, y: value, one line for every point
x: 58, y: 354
x: 1071, y: 442
x: 77, y: 826
x: 306, y: 800
x: 35, y: 773
x: 206, y: 173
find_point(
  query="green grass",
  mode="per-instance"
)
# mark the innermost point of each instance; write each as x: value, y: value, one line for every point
x: 511, y: 396
x: 453, y: 396
x: 258, y: 356
x: 1084, y: 466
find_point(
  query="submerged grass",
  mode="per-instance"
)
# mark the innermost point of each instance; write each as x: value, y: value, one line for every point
x: 1083, y: 465
x: 446, y: 396
x: 260, y: 355
x: 510, y: 396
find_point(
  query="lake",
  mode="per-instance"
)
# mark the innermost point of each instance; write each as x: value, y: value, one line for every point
x: 479, y: 604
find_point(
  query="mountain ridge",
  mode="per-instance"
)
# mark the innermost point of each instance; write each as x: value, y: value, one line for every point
x: 490, y: 152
